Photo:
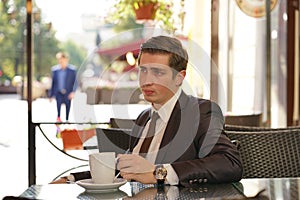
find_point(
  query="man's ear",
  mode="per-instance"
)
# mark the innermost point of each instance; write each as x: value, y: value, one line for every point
x: 179, y: 77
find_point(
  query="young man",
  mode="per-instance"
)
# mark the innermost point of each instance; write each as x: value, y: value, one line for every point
x: 189, y: 139
x: 63, y: 83
x: 188, y: 145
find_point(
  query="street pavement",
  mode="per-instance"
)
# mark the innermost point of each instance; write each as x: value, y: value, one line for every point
x: 50, y: 162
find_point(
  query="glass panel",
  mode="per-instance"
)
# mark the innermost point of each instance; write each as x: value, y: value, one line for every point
x: 246, y: 69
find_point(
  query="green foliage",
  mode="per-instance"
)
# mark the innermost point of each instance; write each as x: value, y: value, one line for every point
x: 123, y: 11
x: 164, y: 14
x: 8, y: 68
x: 7, y: 35
x: 13, y: 36
x: 45, y: 48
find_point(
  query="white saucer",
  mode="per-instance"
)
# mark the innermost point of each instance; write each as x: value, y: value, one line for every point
x: 103, y: 195
x: 90, y: 186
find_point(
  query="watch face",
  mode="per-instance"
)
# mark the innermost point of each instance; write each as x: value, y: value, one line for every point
x: 160, y: 173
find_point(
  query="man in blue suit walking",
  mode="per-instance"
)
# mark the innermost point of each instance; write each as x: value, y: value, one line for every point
x: 64, y: 84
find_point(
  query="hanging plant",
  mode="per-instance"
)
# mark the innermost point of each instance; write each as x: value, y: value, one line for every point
x: 145, y: 11
x: 161, y: 12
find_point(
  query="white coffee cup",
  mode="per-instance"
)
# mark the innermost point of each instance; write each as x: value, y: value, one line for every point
x: 102, y: 167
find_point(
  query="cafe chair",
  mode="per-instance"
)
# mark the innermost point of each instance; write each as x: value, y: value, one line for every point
x: 230, y: 127
x: 113, y: 139
x: 270, y: 153
x: 121, y: 123
x: 244, y: 120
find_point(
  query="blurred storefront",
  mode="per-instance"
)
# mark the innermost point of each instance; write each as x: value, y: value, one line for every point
x: 252, y: 54
x: 255, y: 57
x: 110, y: 75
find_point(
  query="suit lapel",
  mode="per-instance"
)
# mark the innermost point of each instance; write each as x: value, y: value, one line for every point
x: 172, y: 127
x: 138, y: 128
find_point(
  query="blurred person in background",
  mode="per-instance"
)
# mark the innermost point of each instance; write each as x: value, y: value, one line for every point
x: 64, y: 83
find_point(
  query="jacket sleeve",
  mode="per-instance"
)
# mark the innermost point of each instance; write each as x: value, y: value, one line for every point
x: 53, y: 85
x: 217, y: 160
x: 85, y: 175
x: 75, y: 81
x: 81, y: 175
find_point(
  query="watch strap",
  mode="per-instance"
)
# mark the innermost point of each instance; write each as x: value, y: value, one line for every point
x: 159, y: 178
x: 69, y: 178
x: 160, y: 182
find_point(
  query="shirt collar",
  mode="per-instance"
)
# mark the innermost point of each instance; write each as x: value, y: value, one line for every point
x: 165, y: 111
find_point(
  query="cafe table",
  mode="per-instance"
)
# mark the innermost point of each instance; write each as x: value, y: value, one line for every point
x: 280, y: 188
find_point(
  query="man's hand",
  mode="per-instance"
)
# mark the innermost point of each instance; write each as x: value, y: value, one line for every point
x: 71, y: 96
x: 59, y: 181
x: 135, y: 167
x: 145, y: 178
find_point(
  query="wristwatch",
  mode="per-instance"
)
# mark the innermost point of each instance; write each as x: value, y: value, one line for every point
x: 69, y: 179
x: 160, y: 174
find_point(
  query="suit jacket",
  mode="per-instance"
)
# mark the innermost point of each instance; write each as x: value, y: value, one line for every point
x: 70, y: 84
x: 194, y: 143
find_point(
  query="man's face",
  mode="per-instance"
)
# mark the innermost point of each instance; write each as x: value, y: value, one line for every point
x: 63, y: 62
x: 156, y: 78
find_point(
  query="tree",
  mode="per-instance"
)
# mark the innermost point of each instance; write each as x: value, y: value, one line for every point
x: 7, y: 38
x: 45, y: 48
x: 13, y: 35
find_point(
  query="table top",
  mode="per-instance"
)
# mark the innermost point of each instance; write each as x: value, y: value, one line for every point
x: 281, y: 188
x: 275, y: 188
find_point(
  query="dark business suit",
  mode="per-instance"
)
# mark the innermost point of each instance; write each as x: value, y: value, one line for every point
x: 70, y: 86
x: 194, y: 143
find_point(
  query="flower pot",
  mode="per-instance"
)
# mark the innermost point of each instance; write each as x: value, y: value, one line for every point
x: 74, y: 139
x: 145, y: 12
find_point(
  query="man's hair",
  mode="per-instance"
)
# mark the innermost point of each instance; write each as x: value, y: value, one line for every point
x: 167, y: 45
x: 61, y: 55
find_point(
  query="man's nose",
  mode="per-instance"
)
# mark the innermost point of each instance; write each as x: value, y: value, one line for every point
x: 147, y: 79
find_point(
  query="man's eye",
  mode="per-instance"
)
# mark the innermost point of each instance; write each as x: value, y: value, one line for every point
x: 144, y: 70
x: 157, y: 72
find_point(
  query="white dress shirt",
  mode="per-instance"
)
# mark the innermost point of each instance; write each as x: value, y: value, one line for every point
x: 164, y: 115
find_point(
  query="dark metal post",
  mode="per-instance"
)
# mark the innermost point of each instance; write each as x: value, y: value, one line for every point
x: 292, y: 6
x: 268, y: 62
x: 31, y: 126
x: 214, y: 90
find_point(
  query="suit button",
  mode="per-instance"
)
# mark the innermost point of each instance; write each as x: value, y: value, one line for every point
x: 195, y: 180
x: 204, y: 180
x: 200, y: 180
x: 191, y: 181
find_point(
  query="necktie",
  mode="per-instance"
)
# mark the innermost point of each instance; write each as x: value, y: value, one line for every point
x: 150, y: 133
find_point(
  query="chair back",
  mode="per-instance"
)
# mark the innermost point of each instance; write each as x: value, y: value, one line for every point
x: 270, y: 153
x: 244, y: 120
x: 230, y: 127
x: 121, y: 123
x: 113, y: 139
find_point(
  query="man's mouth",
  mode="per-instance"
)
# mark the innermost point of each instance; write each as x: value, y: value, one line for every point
x: 148, y: 92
